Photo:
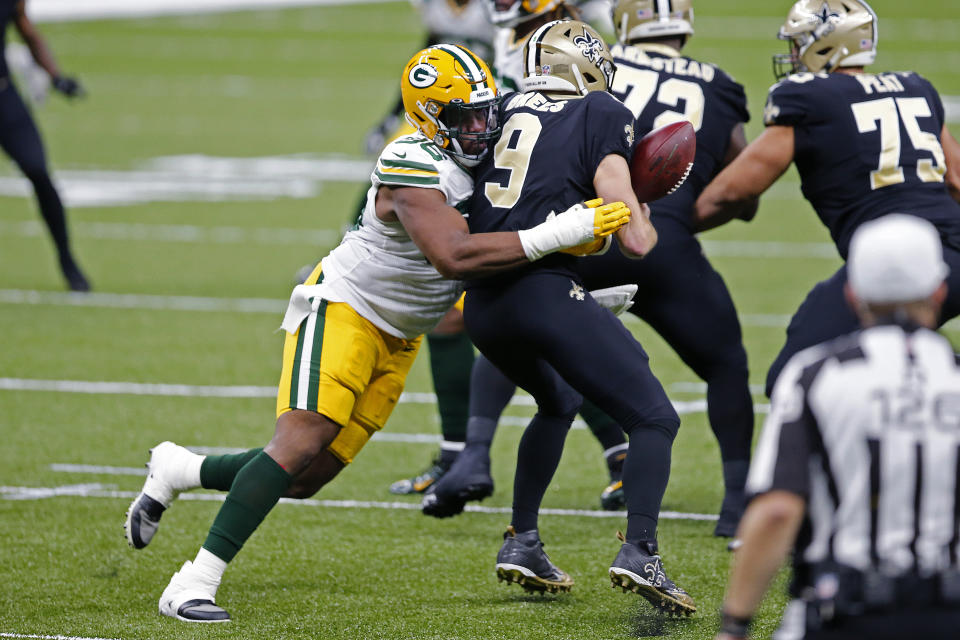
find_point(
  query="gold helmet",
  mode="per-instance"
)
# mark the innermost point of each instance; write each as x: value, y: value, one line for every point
x: 826, y: 34
x: 510, y: 13
x: 567, y: 56
x: 450, y: 96
x: 641, y: 19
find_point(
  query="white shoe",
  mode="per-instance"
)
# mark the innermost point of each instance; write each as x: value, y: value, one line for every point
x: 171, y: 469
x: 189, y: 597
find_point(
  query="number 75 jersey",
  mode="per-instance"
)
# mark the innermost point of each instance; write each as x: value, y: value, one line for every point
x: 866, y: 145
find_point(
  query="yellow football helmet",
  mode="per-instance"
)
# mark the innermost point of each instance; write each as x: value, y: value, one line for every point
x: 642, y: 19
x: 567, y: 56
x: 510, y: 13
x: 450, y: 96
x: 826, y: 34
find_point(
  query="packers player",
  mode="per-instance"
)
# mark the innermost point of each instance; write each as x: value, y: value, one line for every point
x: 354, y: 328
x: 678, y: 287
x: 565, y: 136
x: 866, y: 144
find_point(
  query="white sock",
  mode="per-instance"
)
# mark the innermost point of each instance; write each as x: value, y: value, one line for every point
x: 209, y: 568
x: 185, y: 473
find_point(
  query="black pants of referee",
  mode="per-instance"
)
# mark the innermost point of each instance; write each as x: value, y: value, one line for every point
x: 20, y: 140
x: 825, y: 314
x: 546, y: 334
x: 928, y: 623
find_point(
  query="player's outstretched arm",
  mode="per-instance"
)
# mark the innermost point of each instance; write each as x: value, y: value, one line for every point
x: 951, y: 149
x: 735, y: 192
x: 612, y: 182
x: 443, y: 236
x: 42, y: 54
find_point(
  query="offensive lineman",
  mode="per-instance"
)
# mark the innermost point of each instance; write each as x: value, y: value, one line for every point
x: 566, y: 136
x: 354, y: 328
x: 865, y: 144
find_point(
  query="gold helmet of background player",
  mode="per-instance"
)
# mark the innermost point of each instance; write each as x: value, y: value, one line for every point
x: 641, y: 19
x: 826, y: 34
x: 450, y: 96
x: 510, y: 13
x: 567, y: 56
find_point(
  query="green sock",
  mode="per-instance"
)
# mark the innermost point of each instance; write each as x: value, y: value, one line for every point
x: 256, y: 489
x: 451, y: 360
x: 604, y: 428
x: 218, y: 472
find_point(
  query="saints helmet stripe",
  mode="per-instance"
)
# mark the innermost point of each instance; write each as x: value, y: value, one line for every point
x: 533, y: 48
x: 467, y: 61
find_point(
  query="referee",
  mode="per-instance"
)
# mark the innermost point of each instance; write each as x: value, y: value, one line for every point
x: 20, y: 139
x: 857, y: 468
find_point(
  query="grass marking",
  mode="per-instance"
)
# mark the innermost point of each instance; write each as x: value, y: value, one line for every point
x: 102, y: 491
x: 44, y: 637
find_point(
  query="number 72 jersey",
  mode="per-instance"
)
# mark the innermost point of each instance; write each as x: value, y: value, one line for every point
x: 866, y: 145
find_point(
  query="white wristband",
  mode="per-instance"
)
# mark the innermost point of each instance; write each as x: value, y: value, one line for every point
x: 572, y: 227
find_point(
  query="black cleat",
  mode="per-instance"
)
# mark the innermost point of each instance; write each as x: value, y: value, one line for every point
x: 143, y: 520
x: 638, y: 568
x: 734, y: 504
x: 522, y: 559
x: 423, y: 481
x: 467, y: 479
x: 191, y: 599
x: 201, y: 610
x: 613, y: 498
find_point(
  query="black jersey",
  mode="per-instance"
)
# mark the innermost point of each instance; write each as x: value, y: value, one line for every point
x: 545, y: 161
x: 661, y: 87
x: 6, y: 16
x: 866, y: 145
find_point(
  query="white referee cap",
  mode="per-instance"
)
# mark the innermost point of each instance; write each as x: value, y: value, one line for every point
x: 896, y: 258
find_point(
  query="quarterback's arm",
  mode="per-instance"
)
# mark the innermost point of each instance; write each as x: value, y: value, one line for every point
x: 735, y: 192
x: 951, y: 149
x: 767, y: 532
x: 37, y: 45
x: 442, y: 235
x: 612, y: 182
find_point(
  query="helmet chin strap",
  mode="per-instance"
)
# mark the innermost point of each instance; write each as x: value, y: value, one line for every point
x: 581, y: 86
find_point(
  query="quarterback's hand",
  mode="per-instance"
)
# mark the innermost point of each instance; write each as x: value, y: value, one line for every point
x: 580, y: 224
x: 68, y: 86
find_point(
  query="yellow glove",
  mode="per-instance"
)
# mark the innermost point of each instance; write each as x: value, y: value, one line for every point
x: 594, y: 247
x: 607, y: 218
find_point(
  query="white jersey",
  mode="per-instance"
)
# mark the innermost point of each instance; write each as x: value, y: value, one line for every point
x: 377, y: 269
x: 508, y: 60
x: 468, y: 24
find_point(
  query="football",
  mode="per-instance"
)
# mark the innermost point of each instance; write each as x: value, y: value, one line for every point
x: 662, y: 160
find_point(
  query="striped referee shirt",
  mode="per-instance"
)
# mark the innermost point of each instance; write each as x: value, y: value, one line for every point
x: 867, y: 429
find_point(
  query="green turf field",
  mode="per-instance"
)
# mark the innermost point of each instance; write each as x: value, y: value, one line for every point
x: 312, y: 81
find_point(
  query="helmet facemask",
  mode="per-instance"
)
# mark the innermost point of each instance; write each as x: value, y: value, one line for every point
x: 466, y: 131
x: 824, y: 35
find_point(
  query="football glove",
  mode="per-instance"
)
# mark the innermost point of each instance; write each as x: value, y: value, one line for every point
x: 580, y: 224
x: 68, y: 86
x: 596, y: 247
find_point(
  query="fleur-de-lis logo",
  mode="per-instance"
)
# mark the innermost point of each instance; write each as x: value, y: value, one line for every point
x: 590, y: 47
x: 825, y: 13
x: 628, y: 129
x: 577, y: 292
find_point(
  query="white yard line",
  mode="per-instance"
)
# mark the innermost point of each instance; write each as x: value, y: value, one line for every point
x: 103, y: 491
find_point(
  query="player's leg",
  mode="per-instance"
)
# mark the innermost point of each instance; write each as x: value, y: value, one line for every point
x: 469, y: 477
x: 611, y: 437
x: 682, y: 292
x: 20, y: 139
x: 592, y: 350
x: 451, y: 359
x: 327, y: 364
x: 823, y: 315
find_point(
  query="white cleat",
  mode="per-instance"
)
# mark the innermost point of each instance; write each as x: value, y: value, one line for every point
x: 190, y: 598
x: 171, y: 469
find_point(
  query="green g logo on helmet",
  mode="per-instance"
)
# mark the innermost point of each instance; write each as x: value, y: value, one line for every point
x: 423, y: 75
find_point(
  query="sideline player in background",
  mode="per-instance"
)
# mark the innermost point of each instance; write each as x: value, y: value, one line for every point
x: 564, y: 137
x: 678, y: 288
x: 353, y: 330
x: 20, y: 139
x: 861, y: 448
x: 865, y: 144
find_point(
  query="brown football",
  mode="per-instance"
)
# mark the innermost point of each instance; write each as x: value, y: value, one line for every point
x: 662, y: 160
